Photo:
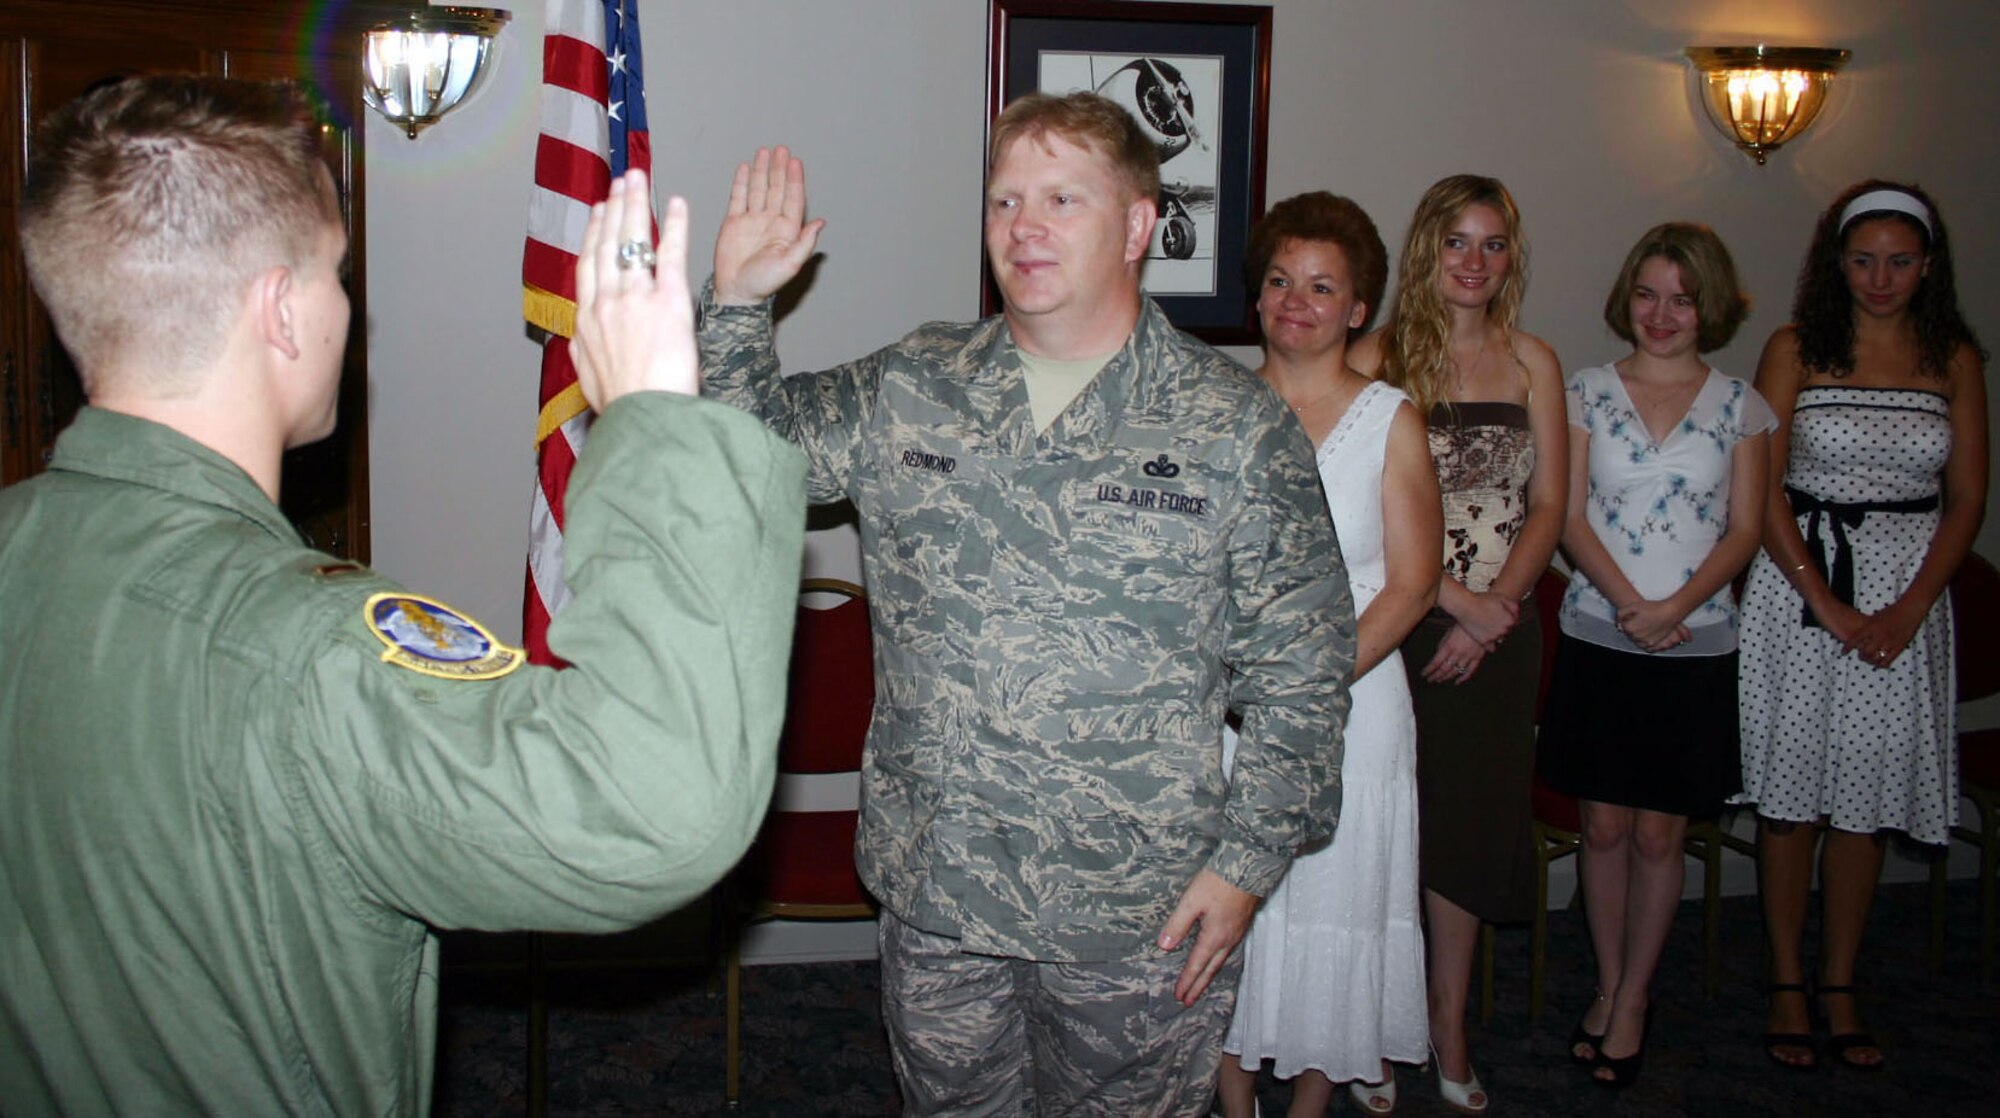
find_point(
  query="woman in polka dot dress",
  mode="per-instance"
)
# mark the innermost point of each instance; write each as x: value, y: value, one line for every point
x: 1879, y: 475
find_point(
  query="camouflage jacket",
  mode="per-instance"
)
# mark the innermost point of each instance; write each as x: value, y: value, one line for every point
x: 1062, y: 620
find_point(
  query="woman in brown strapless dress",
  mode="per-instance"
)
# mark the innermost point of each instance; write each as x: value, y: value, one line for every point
x: 1499, y: 438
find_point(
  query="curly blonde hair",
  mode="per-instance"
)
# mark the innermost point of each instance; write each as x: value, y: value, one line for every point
x: 1416, y: 350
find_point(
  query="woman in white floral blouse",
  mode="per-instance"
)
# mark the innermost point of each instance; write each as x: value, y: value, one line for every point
x: 1668, y: 460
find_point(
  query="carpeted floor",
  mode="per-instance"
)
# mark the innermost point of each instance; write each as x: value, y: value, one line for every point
x: 649, y: 1041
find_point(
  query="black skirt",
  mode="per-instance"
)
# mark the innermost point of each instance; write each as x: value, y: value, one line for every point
x: 1643, y: 731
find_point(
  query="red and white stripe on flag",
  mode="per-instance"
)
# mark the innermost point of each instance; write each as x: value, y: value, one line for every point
x: 593, y: 127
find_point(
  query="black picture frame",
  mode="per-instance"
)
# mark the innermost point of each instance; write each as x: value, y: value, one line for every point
x: 1211, y: 65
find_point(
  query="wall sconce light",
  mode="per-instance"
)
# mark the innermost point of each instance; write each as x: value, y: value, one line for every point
x: 1760, y: 97
x: 417, y: 65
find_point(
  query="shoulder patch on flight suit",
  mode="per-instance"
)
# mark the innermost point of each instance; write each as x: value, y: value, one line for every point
x: 427, y: 636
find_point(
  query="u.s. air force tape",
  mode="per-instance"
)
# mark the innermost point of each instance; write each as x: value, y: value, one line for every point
x: 425, y: 635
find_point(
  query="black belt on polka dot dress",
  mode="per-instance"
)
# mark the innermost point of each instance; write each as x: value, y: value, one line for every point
x: 1837, y: 517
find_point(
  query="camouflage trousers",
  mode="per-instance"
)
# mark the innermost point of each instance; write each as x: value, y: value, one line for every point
x: 983, y: 1035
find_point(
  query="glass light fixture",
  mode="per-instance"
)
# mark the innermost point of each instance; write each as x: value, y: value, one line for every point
x: 417, y: 65
x: 1761, y: 97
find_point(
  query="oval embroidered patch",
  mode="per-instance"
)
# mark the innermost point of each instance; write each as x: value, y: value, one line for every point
x: 427, y: 636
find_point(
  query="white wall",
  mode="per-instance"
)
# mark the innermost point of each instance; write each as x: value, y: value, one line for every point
x: 882, y: 97
x: 1584, y: 107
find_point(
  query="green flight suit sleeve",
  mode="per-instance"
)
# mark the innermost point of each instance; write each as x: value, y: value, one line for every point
x: 1290, y: 650
x: 826, y: 413
x: 606, y: 794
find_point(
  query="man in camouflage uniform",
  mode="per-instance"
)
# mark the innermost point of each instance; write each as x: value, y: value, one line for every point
x: 1087, y: 537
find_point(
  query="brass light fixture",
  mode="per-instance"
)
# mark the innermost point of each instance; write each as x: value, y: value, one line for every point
x: 417, y: 65
x: 1761, y: 97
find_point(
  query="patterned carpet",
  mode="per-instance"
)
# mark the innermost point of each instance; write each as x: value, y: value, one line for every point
x: 649, y: 1041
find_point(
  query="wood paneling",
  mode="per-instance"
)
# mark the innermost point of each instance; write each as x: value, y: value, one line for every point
x: 53, y: 50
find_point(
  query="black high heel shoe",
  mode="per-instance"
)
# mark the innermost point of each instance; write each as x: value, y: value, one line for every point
x: 1581, y: 1037
x: 1624, y: 1069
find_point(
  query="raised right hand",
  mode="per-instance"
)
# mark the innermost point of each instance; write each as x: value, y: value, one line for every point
x: 634, y: 325
x: 765, y: 238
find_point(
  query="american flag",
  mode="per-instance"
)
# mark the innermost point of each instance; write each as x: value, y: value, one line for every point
x: 593, y: 129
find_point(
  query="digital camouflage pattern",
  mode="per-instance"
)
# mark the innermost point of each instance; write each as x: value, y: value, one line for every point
x: 1062, y: 620
x: 1097, y: 1038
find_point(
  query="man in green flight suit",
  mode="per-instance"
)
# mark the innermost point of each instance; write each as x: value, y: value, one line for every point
x: 240, y: 782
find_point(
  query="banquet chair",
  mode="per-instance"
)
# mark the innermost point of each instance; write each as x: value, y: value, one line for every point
x: 1558, y: 834
x: 1558, y: 818
x: 1975, y: 597
x: 802, y: 865
x: 1707, y: 839
x: 1558, y: 829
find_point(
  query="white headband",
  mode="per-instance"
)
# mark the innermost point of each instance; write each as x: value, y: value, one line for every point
x: 1893, y: 201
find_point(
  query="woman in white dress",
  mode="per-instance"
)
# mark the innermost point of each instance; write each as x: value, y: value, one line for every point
x: 1878, y: 488
x: 1666, y: 504
x: 1333, y: 971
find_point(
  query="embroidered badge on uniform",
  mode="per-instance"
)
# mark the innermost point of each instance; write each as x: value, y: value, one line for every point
x: 427, y: 636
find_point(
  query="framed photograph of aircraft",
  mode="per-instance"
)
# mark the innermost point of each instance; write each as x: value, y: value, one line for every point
x: 1197, y: 77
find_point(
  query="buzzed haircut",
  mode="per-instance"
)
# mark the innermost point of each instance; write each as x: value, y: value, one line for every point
x: 152, y: 203
x: 1088, y: 121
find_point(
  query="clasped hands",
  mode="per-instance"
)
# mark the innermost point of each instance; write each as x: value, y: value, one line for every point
x: 1653, y: 625
x: 1483, y: 620
x: 1877, y: 638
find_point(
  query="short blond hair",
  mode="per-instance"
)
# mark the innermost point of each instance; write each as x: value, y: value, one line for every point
x: 1088, y: 121
x: 152, y: 203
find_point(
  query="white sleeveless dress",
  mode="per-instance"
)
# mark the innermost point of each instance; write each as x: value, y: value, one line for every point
x: 1824, y: 734
x: 1333, y: 967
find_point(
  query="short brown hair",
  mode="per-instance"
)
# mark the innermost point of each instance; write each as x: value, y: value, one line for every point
x: 1320, y: 216
x: 1708, y: 275
x: 152, y: 202
x: 1088, y: 121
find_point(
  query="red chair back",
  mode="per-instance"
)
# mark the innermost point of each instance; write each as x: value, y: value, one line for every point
x: 802, y: 864
x: 1549, y: 591
x: 1553, y: 809
x: 1975, y: 602
x: 832, y: 690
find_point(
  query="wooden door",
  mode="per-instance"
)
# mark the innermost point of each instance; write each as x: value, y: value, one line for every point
x: 54, y: 50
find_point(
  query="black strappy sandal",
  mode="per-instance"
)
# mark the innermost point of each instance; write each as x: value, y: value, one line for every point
x: 1775, y: 1041
x: 1838, y: 1045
